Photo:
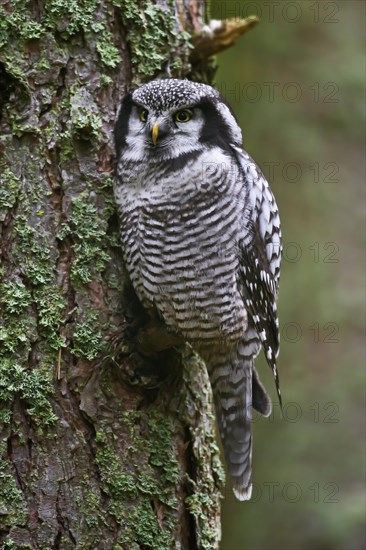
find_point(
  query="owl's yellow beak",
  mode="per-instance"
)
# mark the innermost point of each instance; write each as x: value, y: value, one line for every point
x: 155, y: 132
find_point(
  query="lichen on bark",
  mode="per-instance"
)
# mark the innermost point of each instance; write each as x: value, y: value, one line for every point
x: 157, y: 38
x: 85, y: 460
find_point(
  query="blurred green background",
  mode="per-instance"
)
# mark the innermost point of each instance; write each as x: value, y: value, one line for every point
x: 296, y: 84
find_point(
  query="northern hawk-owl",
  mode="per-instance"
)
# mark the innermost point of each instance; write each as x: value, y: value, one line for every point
x: 201, y: 239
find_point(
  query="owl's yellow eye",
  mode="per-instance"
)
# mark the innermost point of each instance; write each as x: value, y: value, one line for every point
x: 183, y: 116
x: 143, y: 115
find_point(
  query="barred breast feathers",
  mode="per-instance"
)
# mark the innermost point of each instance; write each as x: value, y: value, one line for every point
x: 182, y: 252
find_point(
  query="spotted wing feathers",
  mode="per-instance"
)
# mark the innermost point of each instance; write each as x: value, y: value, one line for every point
x: 260, y: 261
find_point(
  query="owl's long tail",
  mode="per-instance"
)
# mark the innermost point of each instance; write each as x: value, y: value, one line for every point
x: 236, y: 388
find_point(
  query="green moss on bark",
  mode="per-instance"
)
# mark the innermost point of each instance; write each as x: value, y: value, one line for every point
x: 87, y: 337
x: 152, y: 477
x: 9, y: 191
x: 33, y: 387
x: 12, y: 503
x: 67, y: 18
x: 156, y: 43
x: 11, y: 545
x: 204, y: 500
x: 161, y: 446
x: 88, y: 233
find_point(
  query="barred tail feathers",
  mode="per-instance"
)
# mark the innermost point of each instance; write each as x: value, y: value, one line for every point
x: 236, y: 388
x: 231, y: 382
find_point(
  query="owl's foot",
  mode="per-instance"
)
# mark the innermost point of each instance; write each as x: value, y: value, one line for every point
x: 148, y: 373
x: 143, y: 353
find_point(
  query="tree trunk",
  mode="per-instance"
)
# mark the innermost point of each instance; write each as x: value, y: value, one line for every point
x: 87, y: 461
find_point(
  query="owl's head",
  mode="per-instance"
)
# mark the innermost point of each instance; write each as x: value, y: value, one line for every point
x: 165, y: 119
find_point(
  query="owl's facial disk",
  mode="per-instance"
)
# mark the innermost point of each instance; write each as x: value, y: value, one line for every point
x: 162, y: 135
x: 170, y: 118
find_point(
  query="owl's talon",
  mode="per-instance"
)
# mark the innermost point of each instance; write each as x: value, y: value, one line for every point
x: 137, y: 370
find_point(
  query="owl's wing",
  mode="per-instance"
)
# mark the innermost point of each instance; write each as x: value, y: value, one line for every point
x: 260, y: 259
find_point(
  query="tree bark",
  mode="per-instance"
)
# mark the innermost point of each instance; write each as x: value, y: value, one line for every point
x: 87, y: 460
